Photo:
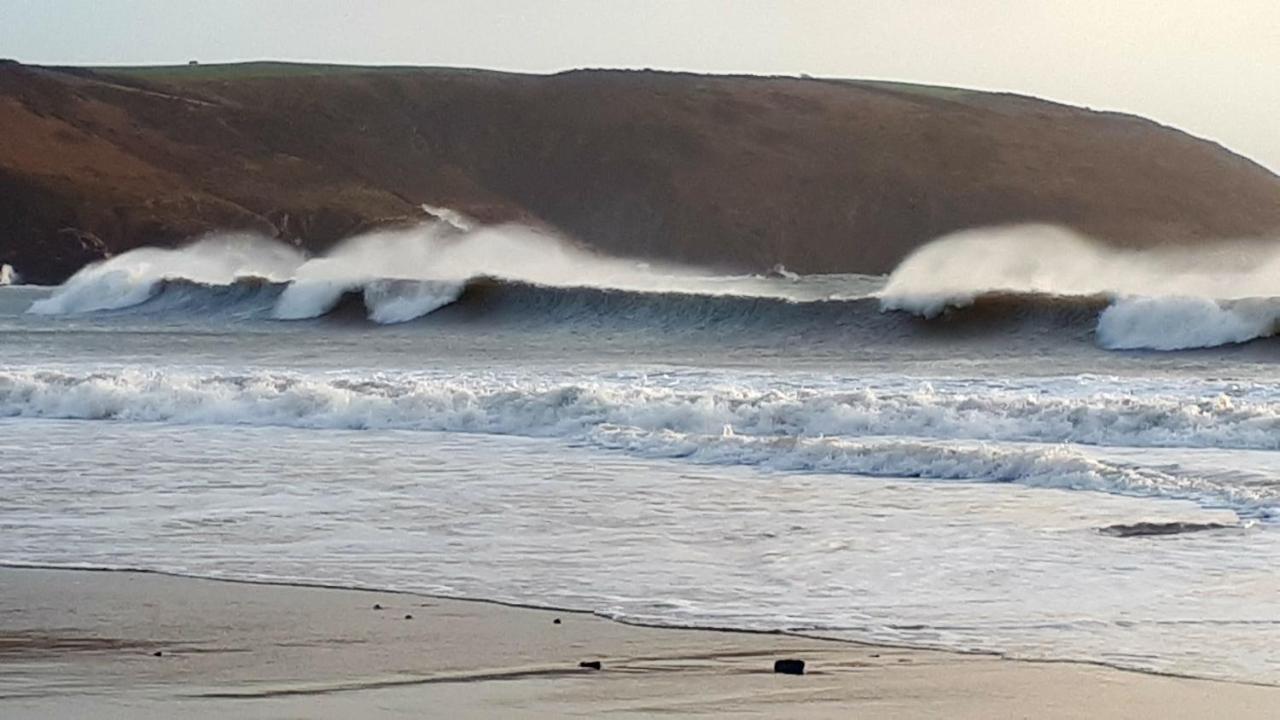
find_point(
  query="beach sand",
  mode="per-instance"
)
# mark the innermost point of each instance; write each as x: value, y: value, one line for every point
x: 79, y: 644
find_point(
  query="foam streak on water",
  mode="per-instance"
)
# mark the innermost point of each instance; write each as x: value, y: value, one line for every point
x: 869, y: 426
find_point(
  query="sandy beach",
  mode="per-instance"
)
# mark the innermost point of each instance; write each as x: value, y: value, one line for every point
x: 586, y: 359
x: 137, y: 645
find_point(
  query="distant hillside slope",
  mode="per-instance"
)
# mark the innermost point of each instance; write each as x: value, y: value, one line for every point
x: 732, y: 172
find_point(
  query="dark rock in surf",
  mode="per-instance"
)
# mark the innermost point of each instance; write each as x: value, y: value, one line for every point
x: 788, y: 667
x: 1150, y: 529
x: 55, y: 255
x: 590, y: 664
x: 780, y: 272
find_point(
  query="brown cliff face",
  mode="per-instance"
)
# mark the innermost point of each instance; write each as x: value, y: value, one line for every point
x: 730, y: 172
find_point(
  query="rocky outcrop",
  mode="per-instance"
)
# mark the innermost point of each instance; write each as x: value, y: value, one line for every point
x: 732, y: 172
x: 66, y: 248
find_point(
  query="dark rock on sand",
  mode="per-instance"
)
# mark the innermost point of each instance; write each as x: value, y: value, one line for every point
x: 1148, y: 529
x: 590, y: 664
x: 789, y: 667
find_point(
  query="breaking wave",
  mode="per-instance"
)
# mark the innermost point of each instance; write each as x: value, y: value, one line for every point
x: 1026, y: 281
x: 1177, y: 323
x: 501, y: 301
x: 401, y: 274
x: 1169, y: 299
x: 859, y: 430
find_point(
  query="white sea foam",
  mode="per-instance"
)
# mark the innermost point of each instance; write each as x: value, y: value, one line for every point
x: 837, y: 430
x: 1060, y: 467
x: 1243, y: 417
x: 306, y: 299
x: 1165, y: 299
x: 1177, y: 322
x: 387, y: 301
x: 391, y: 301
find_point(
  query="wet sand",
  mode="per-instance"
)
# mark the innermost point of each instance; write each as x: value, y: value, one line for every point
x: 135, y: 645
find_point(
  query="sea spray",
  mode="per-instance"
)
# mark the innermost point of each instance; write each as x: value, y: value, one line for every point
x: 1027, y: 281
x: 441, y: 254
x: 135, y: 276
x: 1165, y: 299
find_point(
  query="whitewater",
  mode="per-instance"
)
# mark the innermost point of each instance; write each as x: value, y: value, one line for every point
x: 933, y: 458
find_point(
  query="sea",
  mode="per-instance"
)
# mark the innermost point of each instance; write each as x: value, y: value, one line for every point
x: 1017, y: 443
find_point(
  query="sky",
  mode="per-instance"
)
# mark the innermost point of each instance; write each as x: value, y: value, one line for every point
x: 1211, y: 68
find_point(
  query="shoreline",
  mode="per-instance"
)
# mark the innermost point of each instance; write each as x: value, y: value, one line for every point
x: 515, y: 605
x: 75, y: 639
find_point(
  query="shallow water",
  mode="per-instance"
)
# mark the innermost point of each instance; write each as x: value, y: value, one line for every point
x: 942, y: 486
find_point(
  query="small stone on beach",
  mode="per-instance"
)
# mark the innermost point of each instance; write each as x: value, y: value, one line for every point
x: 157, y: 653
x: 408, y: 617
x: 789, y: 667
x: 590, y: 664
x: 376, y: 606
x: 556, y: 621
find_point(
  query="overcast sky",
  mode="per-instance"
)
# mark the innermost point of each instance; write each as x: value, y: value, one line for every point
x: 1212, y: 68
